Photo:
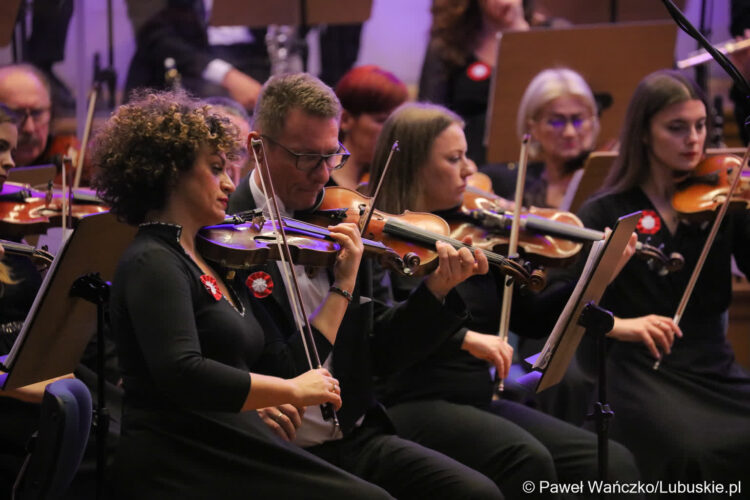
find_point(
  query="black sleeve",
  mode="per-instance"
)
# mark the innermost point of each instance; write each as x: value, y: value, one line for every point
x: 740, y: 12
x: 178, y: 33
x: 434, y: 79
x: 741, y: 237
x: 409, y: 331
x: 535, y: 315
x: 160, y: 303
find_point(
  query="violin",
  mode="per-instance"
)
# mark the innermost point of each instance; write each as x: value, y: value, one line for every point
x: 40, y: 256
x: 412, y: 235
x: 480, y: 202
x: 24, y: 210
x: 248, y: 239
x: 549, y: 236
x: 700, y: 196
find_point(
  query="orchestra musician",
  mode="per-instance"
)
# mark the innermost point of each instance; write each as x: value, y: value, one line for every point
x: 559, y: 112
x: 506, y: 441
x: 233, y: 110
x: 368, y: 94
x: 190, y: 342
x: 19, y: 281
x: 26, y: 92
x: 297, y: 119
x: 461, y: 57
x: 690, y: 418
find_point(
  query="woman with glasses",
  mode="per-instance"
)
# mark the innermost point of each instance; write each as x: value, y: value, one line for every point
x: 559, y: 112
x: 192, y: 340
x: 445, y: 400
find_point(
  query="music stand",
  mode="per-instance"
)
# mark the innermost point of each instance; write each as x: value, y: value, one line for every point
x: 67, y: 309
x: 8, y: 16
x: 259, y: 14
x: 611, y: 58
x: 600, y: 11
x: 36, y: 175
x: 581, y: 312
x: 589, y: 179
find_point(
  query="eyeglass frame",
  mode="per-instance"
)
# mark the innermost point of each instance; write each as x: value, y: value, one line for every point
x: 322, y: 158
x: 20, y: 115
x: 565, y: 120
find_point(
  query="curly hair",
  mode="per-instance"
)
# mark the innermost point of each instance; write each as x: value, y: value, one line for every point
x: 147, y: 144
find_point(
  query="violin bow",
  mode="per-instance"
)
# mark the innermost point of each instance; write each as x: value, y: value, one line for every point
x: 364, y: 220
x: 513, y: 246
x: 287, y: 267
x: 707, y: 246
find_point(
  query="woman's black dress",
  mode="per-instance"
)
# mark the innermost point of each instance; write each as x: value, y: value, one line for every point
x: 689, y: 420
x: 185, y: 357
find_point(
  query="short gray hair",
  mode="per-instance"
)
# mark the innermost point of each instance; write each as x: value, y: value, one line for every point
x: 280, y: 94
x: 547, y: 86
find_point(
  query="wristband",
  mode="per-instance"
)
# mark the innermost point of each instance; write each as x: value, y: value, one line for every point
x: 348, y: 296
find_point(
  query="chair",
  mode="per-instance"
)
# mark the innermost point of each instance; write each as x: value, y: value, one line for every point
x: 56, y: 449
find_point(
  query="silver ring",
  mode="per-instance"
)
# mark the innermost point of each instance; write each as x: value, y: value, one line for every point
x: 277, y: 417
x: 658, y: 324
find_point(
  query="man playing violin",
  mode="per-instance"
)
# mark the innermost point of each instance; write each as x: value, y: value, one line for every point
x: 296, y: 118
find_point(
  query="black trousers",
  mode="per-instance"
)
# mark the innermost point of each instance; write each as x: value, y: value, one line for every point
x: 510, y: 443
x: 403, y: 468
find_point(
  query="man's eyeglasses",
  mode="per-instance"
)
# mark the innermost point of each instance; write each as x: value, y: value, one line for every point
x: 41, y: 116
x: 559, y: 122
x: 308, y: 162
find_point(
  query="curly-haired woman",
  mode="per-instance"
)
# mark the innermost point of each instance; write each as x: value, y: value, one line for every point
x: 187, y: 338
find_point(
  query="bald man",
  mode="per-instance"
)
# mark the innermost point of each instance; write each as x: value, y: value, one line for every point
x: 25, y: 91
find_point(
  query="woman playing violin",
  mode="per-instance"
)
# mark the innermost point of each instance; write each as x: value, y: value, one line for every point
x: 19, y: 282
x: 445, y: 400
x: 690, y: 419
x: 559, y: 111
x: 190, y: 342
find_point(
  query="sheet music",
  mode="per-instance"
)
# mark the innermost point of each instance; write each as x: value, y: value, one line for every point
x: 563, y: 321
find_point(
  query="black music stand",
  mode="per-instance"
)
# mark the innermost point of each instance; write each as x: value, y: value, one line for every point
x: 68, y: 308
x: 581, y: 313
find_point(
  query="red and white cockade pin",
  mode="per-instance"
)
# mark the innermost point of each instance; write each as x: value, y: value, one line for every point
x: 211, y: 285
x: 649, y: 223
x: 478, y: 71
x: 260, y: 284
